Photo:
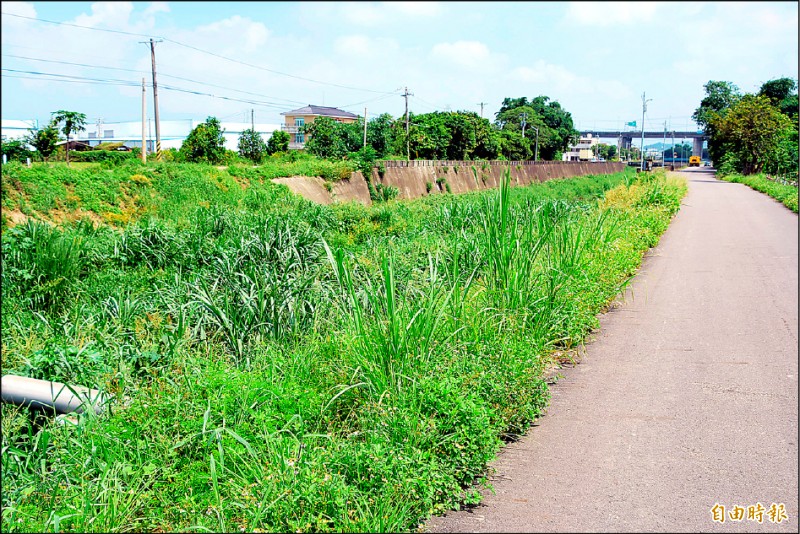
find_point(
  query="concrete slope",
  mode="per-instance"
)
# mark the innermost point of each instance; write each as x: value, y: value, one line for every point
x: 687, y: 397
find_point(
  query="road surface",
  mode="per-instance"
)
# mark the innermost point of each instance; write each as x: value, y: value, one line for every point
x: 686, y: 399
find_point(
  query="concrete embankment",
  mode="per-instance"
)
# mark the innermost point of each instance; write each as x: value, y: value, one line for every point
x: 420, y: 178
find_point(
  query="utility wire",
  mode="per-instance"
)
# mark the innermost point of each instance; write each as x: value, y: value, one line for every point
x: 201, y: 50
x: 111, y: 81
x: 145, y: 73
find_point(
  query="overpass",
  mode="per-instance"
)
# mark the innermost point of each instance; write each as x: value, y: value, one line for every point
x: 625, y: 138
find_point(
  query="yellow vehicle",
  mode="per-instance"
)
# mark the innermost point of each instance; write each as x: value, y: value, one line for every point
x: 694, y: 161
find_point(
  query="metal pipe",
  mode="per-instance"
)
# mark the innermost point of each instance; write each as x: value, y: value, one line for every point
x: 50, y: 396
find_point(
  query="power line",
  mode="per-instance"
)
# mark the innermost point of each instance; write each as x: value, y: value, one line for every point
x: 111, y: 81
x: 160, y: 74
x: 371, y: 100
x: 203, y: 51
x: 106, y: 81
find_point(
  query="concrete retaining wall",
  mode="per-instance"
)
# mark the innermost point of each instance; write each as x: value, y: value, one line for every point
x: 411, y: 178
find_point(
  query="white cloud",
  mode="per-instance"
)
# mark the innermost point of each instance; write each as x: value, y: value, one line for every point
x: 363, y: 14
x: 24, y: 9
x: 111, y: 14
x: 550, y: 79
x: 236, y: 32
x: 611, y: 13
x: 374, y: 14
x: 416, y: 9
x: 464, y: 53
x: 156, y: 7
x: 363, y: 47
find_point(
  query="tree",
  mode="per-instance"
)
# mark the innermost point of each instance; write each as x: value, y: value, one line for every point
x: 380, y: 134
x: 719, y: 97
x: 74, y: 122
x: 556, y: 129
x: 278, y: 142
x: 606, y: 151
x: 778, y: 90
x: 252, y: 145
x: 752, y: 130
x: 15, y: 150
x: 515, y: 147
x: 205, y: 144
x: 325, y: 140
x: 44, y: 140
x: 559, y: 121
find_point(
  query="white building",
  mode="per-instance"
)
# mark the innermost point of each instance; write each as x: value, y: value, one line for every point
x: 583, y: 150
x: 15, y: 129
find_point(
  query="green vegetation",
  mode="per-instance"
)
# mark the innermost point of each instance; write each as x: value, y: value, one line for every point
x: 15, y: 150
x: 278, y: 142
x: 205, y: 144
x: 750, y: 134
x: 279, y: 365
x: 44, y: 140
x: 73, y: 122
x: 252, y: 146
x: 783, y: 192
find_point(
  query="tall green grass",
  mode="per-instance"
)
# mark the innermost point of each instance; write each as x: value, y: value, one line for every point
x: 283, y: 366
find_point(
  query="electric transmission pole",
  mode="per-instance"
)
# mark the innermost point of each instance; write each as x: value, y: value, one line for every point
x: 365, y: 127
x: 155, y: 97
x: 144, y: 115
x: 644, y: 109
x: 406, y: 94
x: 252, y: 120
x: 481, y: 104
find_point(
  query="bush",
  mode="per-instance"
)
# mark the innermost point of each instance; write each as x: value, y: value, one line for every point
x: 278, y: 142
x: 252, y: 146
x: 97, y: 156
x: 16, y: 150
x: 205, y: 144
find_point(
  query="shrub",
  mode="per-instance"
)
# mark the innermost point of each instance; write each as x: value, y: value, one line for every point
x: 98, y: 156
x: 278, y: 142
x: 205, y: 144
x: 252, y: 146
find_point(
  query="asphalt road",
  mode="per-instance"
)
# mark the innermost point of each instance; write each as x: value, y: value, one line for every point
x: 687, y: 398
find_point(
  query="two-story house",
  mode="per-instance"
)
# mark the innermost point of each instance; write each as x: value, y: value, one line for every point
x: 583, y: 150
x: 304, y: 116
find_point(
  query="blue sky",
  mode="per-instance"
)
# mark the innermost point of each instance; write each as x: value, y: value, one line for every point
x: 596, y: 59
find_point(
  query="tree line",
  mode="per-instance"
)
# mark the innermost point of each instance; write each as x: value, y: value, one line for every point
x: 751, y: 133
x: 522, y: 130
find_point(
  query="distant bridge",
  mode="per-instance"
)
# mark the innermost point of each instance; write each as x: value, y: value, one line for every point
x: 625, y: 138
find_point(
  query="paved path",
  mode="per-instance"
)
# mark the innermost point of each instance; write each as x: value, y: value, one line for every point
x: 688, y: 396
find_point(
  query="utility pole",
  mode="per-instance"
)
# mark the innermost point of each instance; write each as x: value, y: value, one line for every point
x: 664, y: 144
x: 144, y: 115
x: 523, y: 116
x: 406, y: 94
x: 252, y: 120
x: 644, y: 109
x: 100, y: 127
x: 673, y: 147
x: 155, y: 96
x: 365, y: 127
x: 481, y: 104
